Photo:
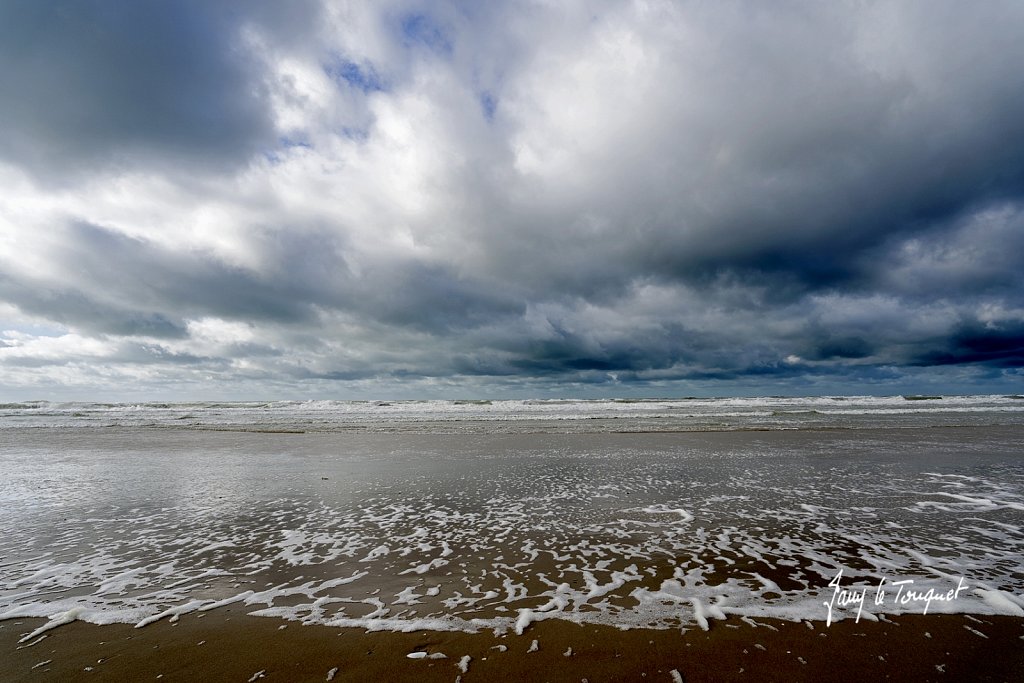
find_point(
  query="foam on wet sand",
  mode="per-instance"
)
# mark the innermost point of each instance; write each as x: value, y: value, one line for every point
x: 504, y: 537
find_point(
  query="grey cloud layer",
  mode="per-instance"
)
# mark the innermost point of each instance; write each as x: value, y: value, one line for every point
x: 91, y: 84
x: 440, y: 197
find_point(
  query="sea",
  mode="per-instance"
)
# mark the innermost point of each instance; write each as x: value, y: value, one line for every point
x: 473, y: 515
x: 529, y: 416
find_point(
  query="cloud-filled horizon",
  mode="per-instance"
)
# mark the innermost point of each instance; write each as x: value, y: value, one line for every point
x: 416, y: 199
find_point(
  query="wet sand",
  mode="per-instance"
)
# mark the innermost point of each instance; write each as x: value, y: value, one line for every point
x: 227, y: 645
x: 650, y: 530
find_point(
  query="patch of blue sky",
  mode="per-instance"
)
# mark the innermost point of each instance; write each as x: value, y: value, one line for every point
x: 354, y: 133
x: 362, y: 77
x: 285, y: 143
x: 288, y: 143
x: 9, y: 330
x: 488, y: 105
x: 421, y: 29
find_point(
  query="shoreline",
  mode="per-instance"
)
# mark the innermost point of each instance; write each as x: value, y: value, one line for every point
x: 360, y: 526
x: 233, y: 646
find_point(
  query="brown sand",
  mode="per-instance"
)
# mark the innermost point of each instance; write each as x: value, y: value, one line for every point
x: 230, y: 646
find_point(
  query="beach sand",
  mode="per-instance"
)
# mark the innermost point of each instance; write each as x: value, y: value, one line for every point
x: 227, y: 645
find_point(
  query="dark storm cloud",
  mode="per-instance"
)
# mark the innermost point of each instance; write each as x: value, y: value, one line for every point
x: 973, y: 254
x: 70, y: 306
x: 831, y: 348
x: 567, y: 352
x: 999, y: 346
x: 807, y: 154
x: 431, y: 299
x: 91, y: 83
x: 192, y: 283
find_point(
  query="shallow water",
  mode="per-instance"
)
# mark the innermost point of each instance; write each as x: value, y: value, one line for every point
x: 469, y: 531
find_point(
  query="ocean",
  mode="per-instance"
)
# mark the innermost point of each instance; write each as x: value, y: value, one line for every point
x: 526, y: 416
x: 474, y: 515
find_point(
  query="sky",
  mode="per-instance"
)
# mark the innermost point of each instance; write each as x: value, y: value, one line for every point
x: 402, y: 199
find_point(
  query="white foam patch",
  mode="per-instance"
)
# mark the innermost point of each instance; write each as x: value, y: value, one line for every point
x: 1002, y: 602
x: 436, y: 563
x: 377, y: 553
x: 662, y: 509
x: 55, y: 621
x: 172, y: 612
x: 409, y: 625
x: 407, y: 596
x: 334, y: 583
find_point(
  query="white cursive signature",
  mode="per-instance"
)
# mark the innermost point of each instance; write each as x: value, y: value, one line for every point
x: 846, y: 597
